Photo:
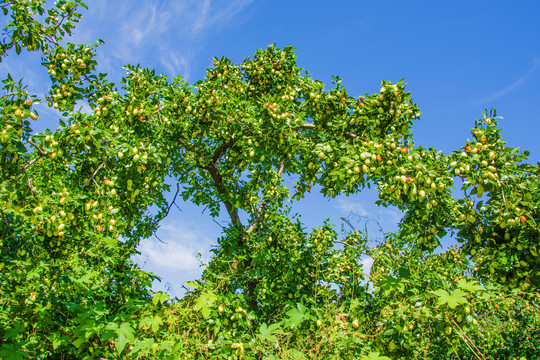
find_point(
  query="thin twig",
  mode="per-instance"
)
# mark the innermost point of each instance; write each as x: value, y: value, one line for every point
x: 174, y: 199
x: 157, y: 237
x: 344, y: 243
x: 31, y: 162
x: 155, y: 112
x: 313, y: 127
x: 467, y: 340
x: 347, y: 222
x: 94, y: 174
x: 37, y: 147
x: 29, y: 183
x: 221, y: 226
x: 262, y: 206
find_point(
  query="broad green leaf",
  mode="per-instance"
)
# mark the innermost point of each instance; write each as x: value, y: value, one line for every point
x: 204, y: 303
x: 472, y: 285
x: 375, y: 355
x: 452, y: 300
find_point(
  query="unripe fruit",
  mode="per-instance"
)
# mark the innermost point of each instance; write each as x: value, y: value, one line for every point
x: 479, y: 190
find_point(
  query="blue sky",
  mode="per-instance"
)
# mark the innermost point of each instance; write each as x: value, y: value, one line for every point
x: 457, y: 57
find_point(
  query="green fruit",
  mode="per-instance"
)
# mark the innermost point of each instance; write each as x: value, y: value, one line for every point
x: 479, y: 190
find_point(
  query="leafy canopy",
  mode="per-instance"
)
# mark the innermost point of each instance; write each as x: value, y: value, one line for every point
x: 78, y: 199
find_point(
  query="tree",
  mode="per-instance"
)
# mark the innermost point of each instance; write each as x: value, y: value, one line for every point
x: 78, y: 202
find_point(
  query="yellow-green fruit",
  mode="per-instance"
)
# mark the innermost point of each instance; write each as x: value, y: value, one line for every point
x: 480, y: 190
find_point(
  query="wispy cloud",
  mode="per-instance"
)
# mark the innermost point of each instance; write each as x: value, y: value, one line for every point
x: 158, y: 34
x: 354, y: 207
x: 176, y: 64
x: 513, y: 86
x: 182, y: 244
x: 367, y: 263
x: 373, y: 219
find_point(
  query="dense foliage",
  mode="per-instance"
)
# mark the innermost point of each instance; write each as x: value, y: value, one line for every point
x: 76, y: 201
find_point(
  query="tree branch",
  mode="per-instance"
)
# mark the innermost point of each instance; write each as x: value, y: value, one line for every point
x: 221, y: 150
x: 41, y: 152
x: 218, y: 182
x: 94, y: 174
x: 174, y: 200
x: 262, y: 206
x: 29, y: 183
x: 313, y: 127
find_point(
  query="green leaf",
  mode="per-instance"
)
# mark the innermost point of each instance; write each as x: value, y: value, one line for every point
x: 268, y: 332
x: 78, y: 342
x: 156, y: 322
x: 452, y: 300
x: 297, y: 315
x: 472, y: 285
x: 125, y: 335
x: 204, y: 303
x: 374, y: 355
x: 160, y: 297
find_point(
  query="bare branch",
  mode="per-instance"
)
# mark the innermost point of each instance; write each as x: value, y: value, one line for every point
x: 157, y: 237
x: 29, y: 183
x: 218, y: 182
x: 307, y: 126
x: 221, y: 226
x: 262, y: 206
x: 94, y: 174
x: 257, y: 218
x: 38, y: 148
x: 155, y: 112
x: 221, y: 150
x: 468, y: 341
x: 313, y: 127
x: 174, y: 200
x: 31, y: 162
x: 344, y: 243
x: 347, y: 222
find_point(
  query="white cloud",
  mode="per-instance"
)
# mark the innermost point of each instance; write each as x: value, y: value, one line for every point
x: 354, y: 207
x: 375, y: 220
x: 367, y: 263
x: 181, y: 244
x: 176, y: 64
x: 392, y: 213
x: 169, y: 33
x: 513, y: 86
